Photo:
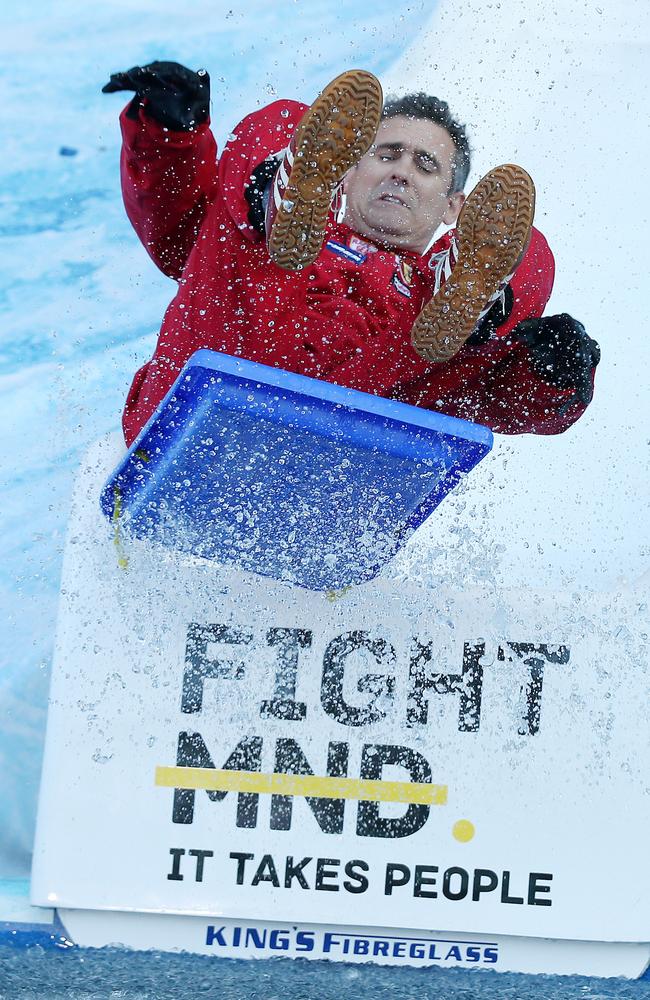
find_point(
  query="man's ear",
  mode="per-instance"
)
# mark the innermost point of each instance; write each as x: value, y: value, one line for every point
x: 455, y: 202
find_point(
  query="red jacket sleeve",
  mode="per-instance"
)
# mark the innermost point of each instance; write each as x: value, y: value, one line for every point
x: 168, y: 179
x: 510, y: 398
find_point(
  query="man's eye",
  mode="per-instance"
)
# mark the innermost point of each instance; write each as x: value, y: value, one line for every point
x: 428, y: 166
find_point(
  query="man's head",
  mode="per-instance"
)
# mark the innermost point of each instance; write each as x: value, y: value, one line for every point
x: 411, y: 181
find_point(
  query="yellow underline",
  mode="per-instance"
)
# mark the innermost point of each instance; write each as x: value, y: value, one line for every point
x: 315, y: 786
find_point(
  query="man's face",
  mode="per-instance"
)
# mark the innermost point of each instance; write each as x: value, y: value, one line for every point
x: 398, y: 193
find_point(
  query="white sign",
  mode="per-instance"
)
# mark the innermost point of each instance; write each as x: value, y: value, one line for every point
x: 395, y: 756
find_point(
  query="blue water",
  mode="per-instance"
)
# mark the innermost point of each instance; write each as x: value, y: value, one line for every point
x: 102, y: 974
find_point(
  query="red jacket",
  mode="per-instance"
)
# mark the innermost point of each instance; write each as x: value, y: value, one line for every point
x: 346, y: 319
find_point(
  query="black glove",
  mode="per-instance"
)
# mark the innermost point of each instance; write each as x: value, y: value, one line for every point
x: 561, y: 353
x: 493, y: 319
x: 174, y: 96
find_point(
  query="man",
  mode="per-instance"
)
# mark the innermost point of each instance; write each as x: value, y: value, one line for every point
x: 361, y: 296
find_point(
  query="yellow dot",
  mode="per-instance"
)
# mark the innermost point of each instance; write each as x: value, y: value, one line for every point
x: 463, y: 830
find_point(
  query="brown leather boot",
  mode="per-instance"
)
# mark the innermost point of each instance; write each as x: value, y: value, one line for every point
x: 332, y: 136
x: 492, y: 233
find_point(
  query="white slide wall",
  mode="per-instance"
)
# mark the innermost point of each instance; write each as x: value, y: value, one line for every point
x: 560, y: 88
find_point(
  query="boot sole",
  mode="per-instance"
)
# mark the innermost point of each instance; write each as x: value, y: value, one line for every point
x: 493, y: 232
x: 333, y: 135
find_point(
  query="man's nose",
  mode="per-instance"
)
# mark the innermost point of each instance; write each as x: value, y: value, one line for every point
x: 400, y: 175
x: 403, y: 170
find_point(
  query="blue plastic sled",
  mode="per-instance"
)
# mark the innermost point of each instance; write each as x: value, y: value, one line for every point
x: 287, y: 476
